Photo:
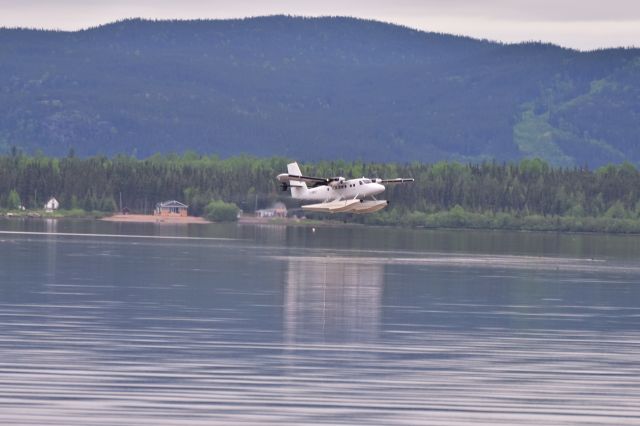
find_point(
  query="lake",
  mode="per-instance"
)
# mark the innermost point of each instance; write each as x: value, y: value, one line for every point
x: 119, y: 324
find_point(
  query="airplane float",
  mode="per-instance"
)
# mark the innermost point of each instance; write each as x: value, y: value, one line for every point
x: 336, y: 194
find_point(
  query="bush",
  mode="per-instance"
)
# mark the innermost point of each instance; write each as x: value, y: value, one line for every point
x: 13, y: 200
x: 219, y: 211
x: 616, y: 211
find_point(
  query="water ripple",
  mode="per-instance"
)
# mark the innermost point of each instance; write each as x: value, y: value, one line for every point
x: 202, y: 334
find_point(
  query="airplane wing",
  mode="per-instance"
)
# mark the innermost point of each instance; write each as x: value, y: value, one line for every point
x: 294, y: 177
x: 396, y: 180
x: 287, y: 177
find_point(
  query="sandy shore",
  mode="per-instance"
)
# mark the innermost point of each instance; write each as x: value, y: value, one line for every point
x: 145, y: 218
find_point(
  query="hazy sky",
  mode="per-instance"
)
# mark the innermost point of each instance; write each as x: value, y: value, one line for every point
x: 582, y: 24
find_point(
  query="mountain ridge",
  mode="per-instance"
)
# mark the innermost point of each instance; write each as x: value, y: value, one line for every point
x: 313, y: 89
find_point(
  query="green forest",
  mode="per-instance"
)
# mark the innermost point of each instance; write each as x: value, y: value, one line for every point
x: 528, y: 195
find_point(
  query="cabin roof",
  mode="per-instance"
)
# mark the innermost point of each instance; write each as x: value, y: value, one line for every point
x: 172, y: 203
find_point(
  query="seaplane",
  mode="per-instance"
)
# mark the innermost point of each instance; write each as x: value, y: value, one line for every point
x: 336, y: 194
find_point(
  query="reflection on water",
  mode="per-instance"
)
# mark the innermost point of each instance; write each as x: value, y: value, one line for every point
x: 327, y: 300
x: 51, y: 226
x: 280, y: 327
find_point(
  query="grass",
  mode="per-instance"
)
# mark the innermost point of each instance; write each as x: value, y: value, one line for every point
x: 535, y: 138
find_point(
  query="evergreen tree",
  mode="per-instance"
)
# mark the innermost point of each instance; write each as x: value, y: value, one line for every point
x: 13, y: 200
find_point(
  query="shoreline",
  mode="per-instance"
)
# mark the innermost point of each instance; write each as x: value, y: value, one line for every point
x: 145, y: 218
x: 250, y: 220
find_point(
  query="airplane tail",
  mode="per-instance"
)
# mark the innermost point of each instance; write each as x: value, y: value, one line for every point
x: 298, y: 187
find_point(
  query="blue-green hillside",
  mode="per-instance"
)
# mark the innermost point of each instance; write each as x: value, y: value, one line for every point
x: 313, y: 89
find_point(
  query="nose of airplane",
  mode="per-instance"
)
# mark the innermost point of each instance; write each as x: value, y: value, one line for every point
x: 378, y: 188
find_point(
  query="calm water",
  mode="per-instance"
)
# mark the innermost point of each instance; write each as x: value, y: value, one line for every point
x: 120, y: 324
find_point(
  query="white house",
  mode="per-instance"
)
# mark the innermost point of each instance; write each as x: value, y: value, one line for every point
x: 171, y: 208
x: 51, y: 205
x: 277, y: 210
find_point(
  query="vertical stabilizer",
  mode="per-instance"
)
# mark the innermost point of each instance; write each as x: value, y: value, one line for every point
x: 294, y: 169
x: 298, y: 187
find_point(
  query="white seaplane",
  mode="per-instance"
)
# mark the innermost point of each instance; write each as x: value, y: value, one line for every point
x: 336, y: 194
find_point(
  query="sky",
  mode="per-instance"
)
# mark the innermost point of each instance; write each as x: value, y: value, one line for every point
x: 579, y: 24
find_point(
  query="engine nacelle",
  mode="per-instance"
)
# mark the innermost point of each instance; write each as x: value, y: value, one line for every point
x: 336, y: 180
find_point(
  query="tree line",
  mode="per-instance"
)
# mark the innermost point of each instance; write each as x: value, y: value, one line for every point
x: 529, y: 188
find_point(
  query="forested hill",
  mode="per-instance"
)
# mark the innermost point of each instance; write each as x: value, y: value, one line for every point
x: 310, y: 89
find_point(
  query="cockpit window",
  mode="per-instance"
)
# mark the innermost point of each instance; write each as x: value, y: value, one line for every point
x: 366, y: 180
x: 360, y: 182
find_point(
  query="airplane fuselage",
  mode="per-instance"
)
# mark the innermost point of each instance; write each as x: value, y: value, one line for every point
x: 351, y: 189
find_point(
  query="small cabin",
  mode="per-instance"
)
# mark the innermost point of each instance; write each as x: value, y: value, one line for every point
x: 171, y: 208
x: 51, y: 205
x: 277, y: 210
